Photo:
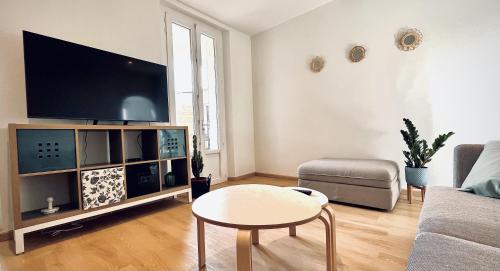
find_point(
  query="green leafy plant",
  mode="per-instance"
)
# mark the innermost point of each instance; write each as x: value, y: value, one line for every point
x: 196, y: 160
x: 419, y: 153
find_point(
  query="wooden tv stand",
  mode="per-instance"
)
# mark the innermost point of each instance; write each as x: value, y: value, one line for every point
x: 142, y: 164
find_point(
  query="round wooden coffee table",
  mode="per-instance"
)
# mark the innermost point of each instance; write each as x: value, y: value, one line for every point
x: 252, y: 207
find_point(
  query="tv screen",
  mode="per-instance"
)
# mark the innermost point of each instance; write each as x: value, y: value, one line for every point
x: 65, y: 80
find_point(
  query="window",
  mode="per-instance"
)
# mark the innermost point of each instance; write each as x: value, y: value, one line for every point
x: 194, y: 56
x: 209, y: 89
x: 183, y: 77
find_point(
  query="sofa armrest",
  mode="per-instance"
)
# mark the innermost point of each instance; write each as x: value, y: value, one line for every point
x: 465, y: 157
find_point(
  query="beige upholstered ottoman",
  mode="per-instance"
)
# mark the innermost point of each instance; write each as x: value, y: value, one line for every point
x: 367, y: 182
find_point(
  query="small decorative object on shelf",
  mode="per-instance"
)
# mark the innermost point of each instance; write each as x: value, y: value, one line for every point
x: 199, y: 185
x: 50, y: 208
x: 409, y: 39
x: 357, y: 53
x: 317, y: 64
x: 419, y: 154
x: 170, y: 179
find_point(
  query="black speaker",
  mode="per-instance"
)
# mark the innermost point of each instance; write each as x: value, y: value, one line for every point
x: 45, y: 150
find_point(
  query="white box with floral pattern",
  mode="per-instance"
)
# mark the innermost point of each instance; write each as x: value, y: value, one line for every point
x: 102, y: 187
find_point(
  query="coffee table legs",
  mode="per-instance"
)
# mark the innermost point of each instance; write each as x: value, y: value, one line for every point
x: 246, y: 238
x: 331, y: 246
x: 244, y: 241
x: 333, y: 237
x: 244, y: 250
x: 255, y: 237
x: 328, y: 231
x: 201, y: 243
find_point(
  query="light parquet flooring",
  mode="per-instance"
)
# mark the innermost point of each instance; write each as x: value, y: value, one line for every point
x: 162, y: 236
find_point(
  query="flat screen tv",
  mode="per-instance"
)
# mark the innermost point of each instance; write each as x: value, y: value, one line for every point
x: 65, y: 80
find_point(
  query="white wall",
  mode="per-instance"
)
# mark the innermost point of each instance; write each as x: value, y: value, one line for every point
x: 128, y: 27
x: 355, y: 109
x: 239, y: 104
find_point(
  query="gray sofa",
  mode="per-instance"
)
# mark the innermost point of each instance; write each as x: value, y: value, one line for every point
x: 457, y: 230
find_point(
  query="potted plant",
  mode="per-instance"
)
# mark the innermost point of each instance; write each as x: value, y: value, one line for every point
x: 199, y: 185
x: 419, y: 154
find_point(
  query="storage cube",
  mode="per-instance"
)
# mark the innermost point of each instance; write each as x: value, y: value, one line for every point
x: 41, y: 150
x: 102, y: 187
x: 172, y: 144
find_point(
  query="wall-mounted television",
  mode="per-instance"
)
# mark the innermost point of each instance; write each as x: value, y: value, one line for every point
x: 65, y: 80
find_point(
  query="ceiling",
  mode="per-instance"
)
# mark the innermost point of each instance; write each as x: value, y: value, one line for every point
x: 254, y: 16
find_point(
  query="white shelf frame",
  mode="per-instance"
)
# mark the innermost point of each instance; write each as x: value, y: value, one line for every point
x: 19, y: 233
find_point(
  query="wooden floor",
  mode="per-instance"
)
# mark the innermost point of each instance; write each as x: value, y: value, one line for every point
x: 162, y: 236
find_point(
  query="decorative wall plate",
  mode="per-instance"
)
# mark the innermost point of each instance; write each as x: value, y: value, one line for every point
x: 357, y: 53
x: 317, y: 64
x: 409, y: 39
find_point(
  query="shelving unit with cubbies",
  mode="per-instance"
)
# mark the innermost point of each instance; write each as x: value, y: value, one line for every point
x: 142, y: 163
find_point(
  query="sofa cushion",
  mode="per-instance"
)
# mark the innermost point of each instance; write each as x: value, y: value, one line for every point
x: 444, y: 253
x: 363, y: 172
x: 484, y: 177
x: 462, y: 215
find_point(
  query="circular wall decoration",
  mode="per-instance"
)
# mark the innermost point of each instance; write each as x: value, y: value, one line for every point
x: 410, y: 39
x: 317, y: 64
x: 357, y: 53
